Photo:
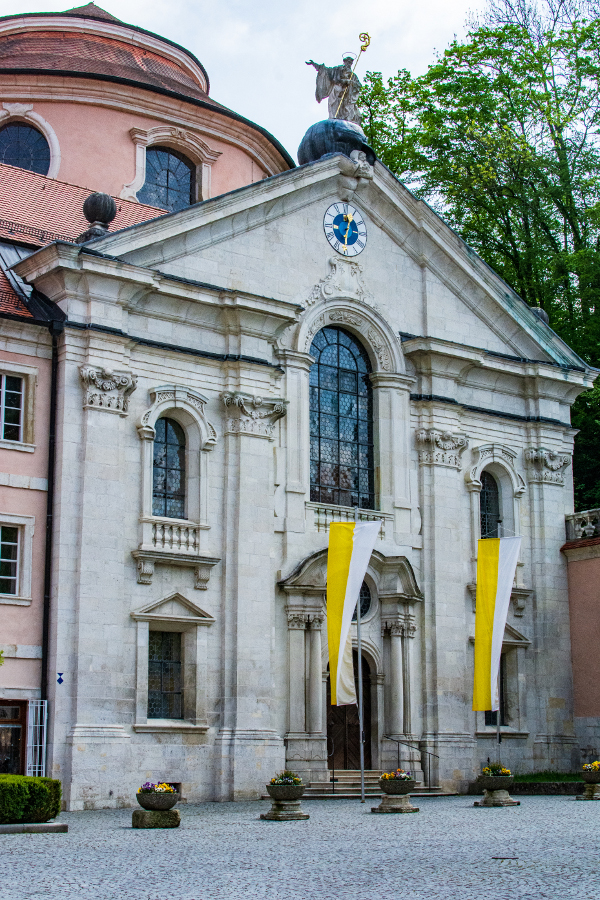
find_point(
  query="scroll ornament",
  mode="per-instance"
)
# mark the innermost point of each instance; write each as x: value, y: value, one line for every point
x: 546, y: 466
x: 252, y: 415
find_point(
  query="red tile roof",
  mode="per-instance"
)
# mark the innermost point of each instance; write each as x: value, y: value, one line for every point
x: 90, y: 11
x: 38, y: 210
x: 95, y: 54
x: 10, y: 302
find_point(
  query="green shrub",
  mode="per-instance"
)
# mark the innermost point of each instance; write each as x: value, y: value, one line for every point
x: 548, y: 775
x: 24, y: 798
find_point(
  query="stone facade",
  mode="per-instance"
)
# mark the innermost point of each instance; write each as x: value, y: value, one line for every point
x: 208, y: 315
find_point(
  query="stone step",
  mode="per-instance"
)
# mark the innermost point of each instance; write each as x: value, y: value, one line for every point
x: 344, y: 795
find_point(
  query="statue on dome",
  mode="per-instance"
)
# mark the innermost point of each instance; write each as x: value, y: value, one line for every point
x: 341, y: 86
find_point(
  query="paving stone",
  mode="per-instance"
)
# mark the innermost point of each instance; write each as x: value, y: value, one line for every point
x: 545, y: 849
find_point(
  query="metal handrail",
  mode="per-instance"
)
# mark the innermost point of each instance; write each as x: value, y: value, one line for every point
x: 387, y: 737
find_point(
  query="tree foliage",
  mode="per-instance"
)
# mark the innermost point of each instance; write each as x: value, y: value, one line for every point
x: 501, y: 137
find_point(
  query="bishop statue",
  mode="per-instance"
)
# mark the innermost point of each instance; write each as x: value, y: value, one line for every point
x: 341, y: 85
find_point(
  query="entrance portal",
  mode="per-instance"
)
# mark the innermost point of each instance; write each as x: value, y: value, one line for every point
x: 343, y: 738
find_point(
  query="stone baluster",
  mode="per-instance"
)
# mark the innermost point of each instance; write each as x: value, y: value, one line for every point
x: 315, y: 724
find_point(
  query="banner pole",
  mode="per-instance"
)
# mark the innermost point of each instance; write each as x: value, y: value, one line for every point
x: 360, y: 693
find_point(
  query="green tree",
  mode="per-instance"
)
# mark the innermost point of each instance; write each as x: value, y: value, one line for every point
x: 500, y: 136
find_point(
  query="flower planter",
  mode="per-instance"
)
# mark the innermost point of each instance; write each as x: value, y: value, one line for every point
x: 495, y: 791
x: 156, y: 800
x: 592, y: 786
x: 286, y: 806
x: 396, y: 796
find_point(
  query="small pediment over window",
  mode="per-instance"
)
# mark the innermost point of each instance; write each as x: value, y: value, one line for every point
x: 512, y: 638
x: 174, y: 609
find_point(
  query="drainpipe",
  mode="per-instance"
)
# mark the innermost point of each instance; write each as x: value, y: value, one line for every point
x: 55, y: 328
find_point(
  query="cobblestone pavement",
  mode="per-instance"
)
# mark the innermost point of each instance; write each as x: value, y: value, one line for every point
x: 224, y: 851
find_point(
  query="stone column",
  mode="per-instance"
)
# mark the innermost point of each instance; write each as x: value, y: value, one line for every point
x: 315, y: 723
x: 408, y: 633
x: 396, y: 679
x: 297, y: 674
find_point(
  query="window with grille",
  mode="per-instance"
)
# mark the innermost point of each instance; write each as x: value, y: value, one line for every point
x: 170, y: 180
x: 489, y: 506
x: 11, y: 407
x: 164, y: 675
x: 168, y: 475
x: 364, y: 601
x: 25, y: 147
x: 341, y: 421
x: 491, y: 718
x: 9, y: 559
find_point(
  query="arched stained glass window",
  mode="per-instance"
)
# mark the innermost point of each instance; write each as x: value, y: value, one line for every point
x: 168, y: 481
x: 341, y: 421
x: 170, y: 180
x: 489, y: 506
x: 364, y: 601
x: 25, y: 147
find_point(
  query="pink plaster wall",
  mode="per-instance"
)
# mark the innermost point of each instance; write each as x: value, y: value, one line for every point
x: 97, y: 150
x: 23, y: 624
x: 584, y: 603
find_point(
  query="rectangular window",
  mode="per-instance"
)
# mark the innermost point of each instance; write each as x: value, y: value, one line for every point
x: 12, y: 736
x: 9, y: 559
x: 11, y: 407
x: 164, y: 675
x: 491, y: 718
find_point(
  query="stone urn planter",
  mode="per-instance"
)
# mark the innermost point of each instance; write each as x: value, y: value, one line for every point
x: 396, y: 796
x: 495, y: 790
x: 592, y: 785
x: 286, y: 806
x: 157, y: 801
x: 157, y: 810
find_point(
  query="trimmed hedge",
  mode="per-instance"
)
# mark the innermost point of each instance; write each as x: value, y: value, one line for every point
x: 24, y: 798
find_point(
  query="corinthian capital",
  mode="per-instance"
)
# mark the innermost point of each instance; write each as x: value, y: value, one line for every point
x: 440, y: 448
x: 545, y: 465
x: 107, y: 390
x: 248, y: 414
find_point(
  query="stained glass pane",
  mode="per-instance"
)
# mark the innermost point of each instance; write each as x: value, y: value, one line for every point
x: 168, y: 475
x: 25, y: 147
x: 489, y: 506
x: 341, y: 408
x: 164, y: 675
x: 170, y: 180
x: 365, y: 601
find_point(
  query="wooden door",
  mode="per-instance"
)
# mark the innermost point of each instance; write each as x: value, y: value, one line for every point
x: 343, y: 739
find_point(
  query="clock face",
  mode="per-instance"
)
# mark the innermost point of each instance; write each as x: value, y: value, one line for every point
x: 345, y: 229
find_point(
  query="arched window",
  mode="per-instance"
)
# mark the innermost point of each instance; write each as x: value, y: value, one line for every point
x: 25, y: 147
x: 170, y: 180
x: 489, y: 506
x: 341, y: 421
x: 364, y: 601
x: 168, y: 488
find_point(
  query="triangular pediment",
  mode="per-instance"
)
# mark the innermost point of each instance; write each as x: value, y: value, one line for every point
x: 512, y: 638
x: 174, y: 607
x: 278, y: 222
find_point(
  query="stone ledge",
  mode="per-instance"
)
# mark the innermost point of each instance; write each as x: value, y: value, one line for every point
x: 185, y: 727
x: 35, y: 828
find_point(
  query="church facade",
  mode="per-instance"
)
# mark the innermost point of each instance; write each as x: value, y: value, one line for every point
x: 232, y: 377
x: 230, y: 386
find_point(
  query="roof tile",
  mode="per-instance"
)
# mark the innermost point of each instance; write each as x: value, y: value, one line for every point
x: 37, y: 210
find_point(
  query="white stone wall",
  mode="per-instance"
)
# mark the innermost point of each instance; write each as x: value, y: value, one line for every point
x: 260, y: 285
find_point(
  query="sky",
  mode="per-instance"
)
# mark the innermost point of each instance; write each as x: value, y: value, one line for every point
x: 255, y: 50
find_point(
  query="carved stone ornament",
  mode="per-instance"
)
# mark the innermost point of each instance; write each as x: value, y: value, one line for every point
x: 546, y: 466
x: 440, y: 448
x: 348, y: 317
x: 174, y: 396
x: 107, y: 390
x: 252, y: 415
x: 296, y: 621
x: 344, y: 280
x: 485, y: 454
